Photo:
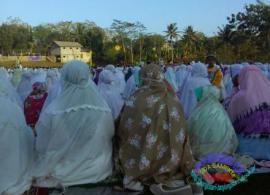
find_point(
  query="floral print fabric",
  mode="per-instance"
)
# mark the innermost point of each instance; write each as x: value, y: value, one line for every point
x: 153, y: 137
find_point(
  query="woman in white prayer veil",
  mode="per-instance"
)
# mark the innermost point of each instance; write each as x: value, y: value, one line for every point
x: 119, y: 78
x: 120, y: 81
x: 108, y: 90
x: 16, y: 77
x: 199, y: 79
x: 110, y: 67
x: 53, y: 92
x: 16, y: 147
x: 8, y: 87
x: 234, y: 88
x: 263, y: 68
x: 54, y: 89
x: 74, y: 133
x: 51, y: 78
x: 24, y: 88
x: 170, y: 77
x: 180, y: 75
x: 227, y: 79
x: 39, y: 75
x: 132, y: 84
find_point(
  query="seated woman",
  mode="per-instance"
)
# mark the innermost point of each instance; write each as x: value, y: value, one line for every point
x: 171, y: 78
x: 16, y: 77
x: 74, y: 133
x: 8, y: 88
x: 199, y: 79
x: 209, y: 126
x: 133, y: 83
x: 34, y: 102
x: 16, y: 147
x: 234, y: 88
x: 154, y: 146
x: 51, y: 78
x: 24, y: 87
x: 96, y: 76
x: 120, y: 81
x: 181, y: 76
x: 249, y: 111
x: 108, y: 89
x: 128, y: 74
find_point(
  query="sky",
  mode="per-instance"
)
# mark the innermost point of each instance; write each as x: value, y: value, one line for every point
x: 203, y: 15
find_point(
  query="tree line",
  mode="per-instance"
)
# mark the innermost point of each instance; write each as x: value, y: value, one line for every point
x: 245, y: 37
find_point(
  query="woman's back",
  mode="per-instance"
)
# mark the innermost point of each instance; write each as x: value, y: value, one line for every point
x: 75, y: 131
x: 209, y: 126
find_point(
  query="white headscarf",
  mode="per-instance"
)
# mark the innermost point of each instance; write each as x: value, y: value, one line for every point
x: 110, y: 67
x: 132, y: 83
x: 53, y: 92
x: 51, y: 78
x: 235, y: 69
x: 74, y: 133
x: 25, y: 86
x: 108, y: 89
x: 170, y: 77
x: 120, y: 82
x: 180, y: 75
x: 16, y: 77
x: 199, y: 79
x: 199, y: 70
x: 16, y: 149
x: 53, y: 85
x: 263, y: 68
x: 7, y: 89
x: 39, y: 75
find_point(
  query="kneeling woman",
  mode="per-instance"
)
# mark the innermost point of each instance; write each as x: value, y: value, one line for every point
x: 74, y: 133
x: 209, y: 125
x: 249, y: 110
x: 154, y: 146
x: 16, y: 147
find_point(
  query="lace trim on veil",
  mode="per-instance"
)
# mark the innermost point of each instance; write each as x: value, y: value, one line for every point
x: 84, y: 106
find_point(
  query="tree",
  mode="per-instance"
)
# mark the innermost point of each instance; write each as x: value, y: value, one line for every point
x: 172, y: 34
x: 128, y: 32
x: 94, y: 40
x: 152, y: 47
x: 190, y: 39
x: 137, y: 32
x: 249, y: 27
x: 43, y: 36
x: 120, y: 28
x: 15, y: 37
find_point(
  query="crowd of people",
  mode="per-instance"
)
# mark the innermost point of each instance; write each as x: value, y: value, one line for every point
x: 149, y: 124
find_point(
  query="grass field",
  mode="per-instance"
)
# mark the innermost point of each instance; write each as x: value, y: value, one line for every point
x: 31, y: 64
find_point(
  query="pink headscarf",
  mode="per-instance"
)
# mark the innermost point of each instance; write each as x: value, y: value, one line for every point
x: 254, y: 91
x: 38, y: 86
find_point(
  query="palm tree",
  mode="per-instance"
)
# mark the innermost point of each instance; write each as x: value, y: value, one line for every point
x: 190, y: 39
x: 172, y: 34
